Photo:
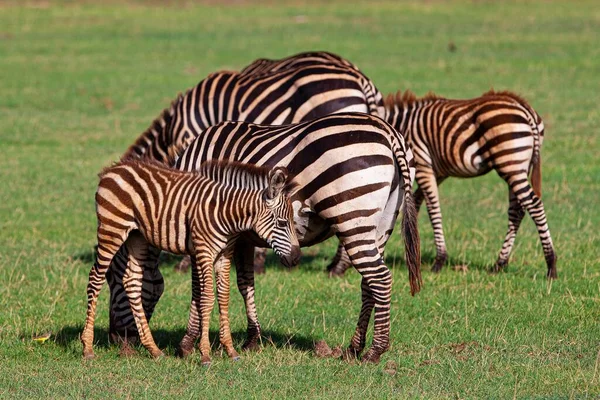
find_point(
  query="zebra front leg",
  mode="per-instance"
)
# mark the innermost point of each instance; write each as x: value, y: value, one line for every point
x: 186, y: 346
x: 533, y: 204
x: 108, y: 245
x: 429, y: 186
x: 340, y: 263
x: 222, y: 271
x: 139, y: 255
x: 243, y: 257
x: 515, y: 216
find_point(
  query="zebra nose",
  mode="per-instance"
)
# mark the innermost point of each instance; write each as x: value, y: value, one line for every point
x: 295, y: 255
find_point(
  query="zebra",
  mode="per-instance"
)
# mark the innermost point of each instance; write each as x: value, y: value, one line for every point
x: 291, y: 90
x: 145, y: 205
x: 467, y: 138
x: 295, y: 89
x: 354, y: 173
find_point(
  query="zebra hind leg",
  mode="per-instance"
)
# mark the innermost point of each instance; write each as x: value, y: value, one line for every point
x: 139, y: 255
x: 376, y: 288
x: 340, y: 263
x: 107, y: 248
x: 515, y: 216
x: 428, y: 184
x: 534, y: 206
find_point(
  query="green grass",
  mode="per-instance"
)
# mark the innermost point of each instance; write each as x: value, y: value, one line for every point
x: 79, y: 82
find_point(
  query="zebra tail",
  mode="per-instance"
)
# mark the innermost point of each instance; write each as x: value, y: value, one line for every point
x: 373, y: 97
x: 536, y: 162
x: 536, y: 176
x: 412, y: 244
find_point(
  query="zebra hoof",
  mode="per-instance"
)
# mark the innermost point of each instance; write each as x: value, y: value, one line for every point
x: 350, y: 354
x: 439, y: 263
x: 371, y: 357
x: 250, y: 345
x: 158, y: 355
x: 88, y: 355
x: 236, y: 358
x: 206, y: 361
x: 184, y: 351
x: 499, y: 266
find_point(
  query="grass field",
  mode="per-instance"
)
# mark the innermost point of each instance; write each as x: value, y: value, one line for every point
x: 78, y: 82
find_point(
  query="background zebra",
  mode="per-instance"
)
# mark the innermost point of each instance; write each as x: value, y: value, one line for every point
x: 466, y: 138
x: 294, y: 89
x: 202, y: 213
x: 354, y: 172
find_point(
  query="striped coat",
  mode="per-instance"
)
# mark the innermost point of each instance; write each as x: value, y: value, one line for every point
x: 294, y: 89
x: 147, y: 205
x: 354, y: 173
x: 498, y: 131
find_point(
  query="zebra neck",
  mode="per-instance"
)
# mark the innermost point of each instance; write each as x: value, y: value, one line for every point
x: 235, y: 209
x: 399, y: 116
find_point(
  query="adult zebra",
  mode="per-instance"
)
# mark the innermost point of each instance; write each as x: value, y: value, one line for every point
x: 294, y: 89
x: 354, y: 173
x: 466, y: 138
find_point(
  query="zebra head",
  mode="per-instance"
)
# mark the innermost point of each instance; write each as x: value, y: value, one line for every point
x: 275, y: 222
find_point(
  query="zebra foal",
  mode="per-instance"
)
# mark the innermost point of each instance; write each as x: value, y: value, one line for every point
x: 147, y: 206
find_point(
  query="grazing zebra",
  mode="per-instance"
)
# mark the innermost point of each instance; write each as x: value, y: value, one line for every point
x: 294, y: 89
x: 147, y: 205
x: 466, y: 138
x: 354, y: 173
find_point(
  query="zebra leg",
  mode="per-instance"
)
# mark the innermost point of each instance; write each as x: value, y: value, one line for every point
x: 186, y: 346
x: 139, y: 251
x: 204, y: 267
x: 428, y: 184
x: 515, y: 216
x: 418, y: 195
x: 122, y: 325
x: 107, y: 248
x: 243, y: 257
x: 260, y: 256
x: 533, y: 204
x: 341, y: 262
x: 222, y: 271
x: 376, y: 289
x: 184, y: 264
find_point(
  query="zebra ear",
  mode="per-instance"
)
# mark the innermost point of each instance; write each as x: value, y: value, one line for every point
x: 277, y: 181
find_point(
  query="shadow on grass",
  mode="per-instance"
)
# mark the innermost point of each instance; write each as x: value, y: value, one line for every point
x: 428, y: 258
x: 170, y: 338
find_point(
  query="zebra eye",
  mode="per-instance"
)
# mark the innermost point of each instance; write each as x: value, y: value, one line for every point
x: 281, y: 223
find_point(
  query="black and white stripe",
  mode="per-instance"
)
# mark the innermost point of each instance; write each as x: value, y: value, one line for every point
x: 147, y: 206
x: 466, y: 138
x: 354, y: 172
x: 294, y: 89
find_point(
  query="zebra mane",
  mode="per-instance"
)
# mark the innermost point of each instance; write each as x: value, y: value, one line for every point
x: 240, y: 175
x: 407, y: 98
x: 153, y: 133
x: 507, y: 93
